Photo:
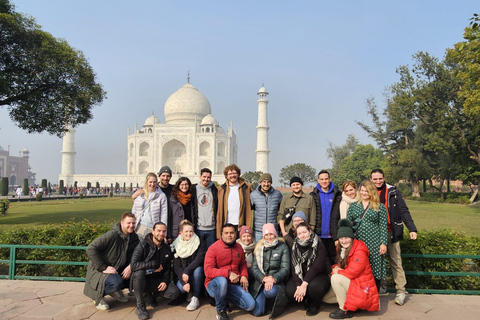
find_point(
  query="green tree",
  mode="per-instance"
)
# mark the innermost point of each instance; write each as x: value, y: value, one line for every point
x: 252, y: 177
x: 45, y: 84
x: 338, y: 153
x: 4, y: 186
x: 302, y: 170
x: 60, y: 187
x: 26, y: 189
x: 44, y: 183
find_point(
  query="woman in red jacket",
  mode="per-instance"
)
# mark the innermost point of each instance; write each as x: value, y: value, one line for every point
x: 352, y: 279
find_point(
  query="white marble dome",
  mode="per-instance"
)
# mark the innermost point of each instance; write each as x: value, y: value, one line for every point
x: 152, y: 120
x: 262, y: 90
x: 186, y: 104
x: 209, y: 120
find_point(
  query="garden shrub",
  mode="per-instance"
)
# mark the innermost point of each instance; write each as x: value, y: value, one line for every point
x: 7, y: 204
x: 39, y: 197
x: 453, y: 197
x: 441, y: 242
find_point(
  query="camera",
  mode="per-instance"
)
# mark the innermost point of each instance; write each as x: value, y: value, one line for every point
x: 288, y: 214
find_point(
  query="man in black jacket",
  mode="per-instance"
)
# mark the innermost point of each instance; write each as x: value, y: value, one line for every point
x: 151, y: 267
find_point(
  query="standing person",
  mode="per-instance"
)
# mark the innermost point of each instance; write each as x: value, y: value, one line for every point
x: 349, y: 196
x: 370, y: 217
x: 164, y: 175
x: 293, y: 202
x: 150, y: 207
x: 109, y: 268
x: 18, y: 191
x: 180, y: 207
x: 309, y: 281
x: 352, y: 279
x: 205, y: 201
x: 398, y: 214
x: 233, y: 201
x: 226, y: 273
x: 265, y: 202
x: 151, y: 267
x: 189, y: 256
x: 270, y: 269
x: 327, y: 198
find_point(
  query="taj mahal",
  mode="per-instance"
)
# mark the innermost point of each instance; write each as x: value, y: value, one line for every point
x: 189, y: 140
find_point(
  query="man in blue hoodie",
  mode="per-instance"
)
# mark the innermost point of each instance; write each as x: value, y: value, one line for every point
x: 327, y: 198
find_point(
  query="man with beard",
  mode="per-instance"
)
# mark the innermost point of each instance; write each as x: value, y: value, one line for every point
x: 109, y: 269
x: 226, y: 273
x: 164, y: 177
x: 151, y: 267
x: 398, y: 214
x: 265, y: 203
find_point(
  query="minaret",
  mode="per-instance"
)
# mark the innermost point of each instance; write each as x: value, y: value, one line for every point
x: 262, y: 131
x: 68, y: 157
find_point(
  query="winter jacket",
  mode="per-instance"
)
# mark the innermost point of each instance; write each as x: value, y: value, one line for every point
x: 188, y: 265
x: 144, y: 258
x: 398, y: 213
x: 158, y: 207
x: 214, y: 191
x: 334, y: 212
x: 276, y: 263
x: 361, y: 277
x: 221, y: 259
x: 318, y: 266
x: 265, y: 207
x: 110, y: 249
x: 177, y: 215
x: 245, y: 207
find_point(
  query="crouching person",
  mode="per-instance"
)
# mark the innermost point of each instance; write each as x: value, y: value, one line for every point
x: 109, y: 269
x: 352, y: 278
x: 151, y: 267
x: 226, y: 273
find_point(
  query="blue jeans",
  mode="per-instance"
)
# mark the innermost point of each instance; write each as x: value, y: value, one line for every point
x: 114, y: 282
x: 225, y: 292
x: 261, y: 298
x: 209, y: 236
x: 196, y: 282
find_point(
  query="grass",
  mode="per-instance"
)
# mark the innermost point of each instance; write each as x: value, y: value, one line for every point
x: 427, y: 215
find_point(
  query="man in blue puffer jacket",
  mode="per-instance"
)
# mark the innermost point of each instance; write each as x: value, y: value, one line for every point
x: 265, y: 202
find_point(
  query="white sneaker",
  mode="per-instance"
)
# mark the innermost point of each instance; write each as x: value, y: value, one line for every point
x: 119, y: 296
x: 400, y: 299
x: 194, y: 304
x: 102, y: 305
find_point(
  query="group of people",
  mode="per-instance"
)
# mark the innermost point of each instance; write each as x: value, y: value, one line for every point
x: 254, y: 249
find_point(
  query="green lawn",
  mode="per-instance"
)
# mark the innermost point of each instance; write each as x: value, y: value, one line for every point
x: 427, y: 215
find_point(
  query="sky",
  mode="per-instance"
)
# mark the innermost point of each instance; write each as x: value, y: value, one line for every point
x: 319, y: 60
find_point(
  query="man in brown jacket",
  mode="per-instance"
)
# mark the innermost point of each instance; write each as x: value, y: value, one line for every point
x: 233, y: 200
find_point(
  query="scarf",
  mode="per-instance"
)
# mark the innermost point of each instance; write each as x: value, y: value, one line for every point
x: 344, y: 204
x: 183, y: 248
x: 247, y: 249
x: 309, y: 255
x: 259, y: 254
x: 184, y: 197
x: 383, y: 194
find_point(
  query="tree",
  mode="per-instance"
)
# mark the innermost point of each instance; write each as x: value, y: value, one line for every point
x: 302, y: 170
x: 45, y: 84
x: 252, y: 177
x: 44, y: 183
x: 60, y: 187
x: 26, y: 189
x: 338, y: 153
x: 4, y: 186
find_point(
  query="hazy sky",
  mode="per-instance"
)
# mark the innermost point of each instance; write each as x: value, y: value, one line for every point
x: 318, y: 60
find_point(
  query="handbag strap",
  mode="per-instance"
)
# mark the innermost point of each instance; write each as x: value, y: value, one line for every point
x: 365, y: 211
x: 140, y: 215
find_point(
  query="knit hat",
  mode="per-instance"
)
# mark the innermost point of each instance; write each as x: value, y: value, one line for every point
x: 300, y: 214
x: 269, y: 228
x: 266, y: 176
x: 296, y: 179
x: 165, y: 169
x: 345, y: 229
x: 245, y: 229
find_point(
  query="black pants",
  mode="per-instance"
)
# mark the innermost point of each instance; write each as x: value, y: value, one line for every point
x: 143, y: 283
x: 316, y: 289
x: 331, y: 250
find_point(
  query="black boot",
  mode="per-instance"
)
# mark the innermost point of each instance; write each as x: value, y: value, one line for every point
x: 141, y: 312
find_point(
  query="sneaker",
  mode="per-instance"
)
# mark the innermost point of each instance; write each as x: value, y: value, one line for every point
x: 141, y: 312
x: 313, y: 310
x: 400, y: 299
x: 383, y: 291
x: 119, y: 296
x: 222, y: 315
x: 341, y: 314
x: 102, y: 305
x: 194, y: 304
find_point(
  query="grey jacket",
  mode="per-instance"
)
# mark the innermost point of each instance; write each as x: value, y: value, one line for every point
x: 265, y: 207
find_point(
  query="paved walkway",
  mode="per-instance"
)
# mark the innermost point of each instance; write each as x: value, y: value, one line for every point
x: 23, y: 299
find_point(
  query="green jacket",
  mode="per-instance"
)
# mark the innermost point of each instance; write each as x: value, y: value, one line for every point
x: 276, y: 263
x: 110, y: 249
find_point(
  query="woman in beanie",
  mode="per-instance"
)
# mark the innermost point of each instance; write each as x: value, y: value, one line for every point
x: 247, y: 243
x: 352, y: 279
x: 309, y: 281
x: 150, y: 207
x: 180, y: 207
x: 270, y: 269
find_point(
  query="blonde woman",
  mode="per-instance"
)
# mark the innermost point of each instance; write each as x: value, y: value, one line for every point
x: 150, y: 207
x: 370, y: 219
x: 349, y: 196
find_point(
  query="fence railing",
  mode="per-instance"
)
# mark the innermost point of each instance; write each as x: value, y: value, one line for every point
x: 13, y: 262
